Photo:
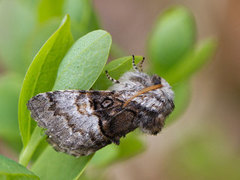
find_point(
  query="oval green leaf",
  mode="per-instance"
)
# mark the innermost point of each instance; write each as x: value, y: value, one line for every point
x: 42, y: 73
x: 84, y: 62
x: 39, y: 36
x: 115, y: 68
x: 172, y: 37
x: 9, y: 169
x: 53, y: 165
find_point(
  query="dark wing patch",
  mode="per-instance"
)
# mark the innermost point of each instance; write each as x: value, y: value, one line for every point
x: 122, y: 123
x: 118, y: 124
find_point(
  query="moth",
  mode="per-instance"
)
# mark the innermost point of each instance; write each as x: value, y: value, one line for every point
x: 81, y: 122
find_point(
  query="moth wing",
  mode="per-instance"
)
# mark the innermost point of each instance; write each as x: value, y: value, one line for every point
x: 120, y: 124
x: 69, y: 120
x: 115, y: 119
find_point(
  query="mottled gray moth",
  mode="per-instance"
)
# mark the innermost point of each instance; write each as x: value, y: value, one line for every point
x: 81, y: 122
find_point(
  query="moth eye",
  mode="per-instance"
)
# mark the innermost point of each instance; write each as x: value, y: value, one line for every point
x: 107, y: 102
x: 156, y: 79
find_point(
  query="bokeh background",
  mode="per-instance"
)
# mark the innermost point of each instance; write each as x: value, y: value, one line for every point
x: 204, y: 143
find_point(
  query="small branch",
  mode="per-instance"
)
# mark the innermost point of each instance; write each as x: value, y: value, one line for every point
x: 29, y: 150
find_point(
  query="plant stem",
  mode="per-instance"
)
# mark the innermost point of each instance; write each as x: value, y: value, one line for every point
x: 28, y: 151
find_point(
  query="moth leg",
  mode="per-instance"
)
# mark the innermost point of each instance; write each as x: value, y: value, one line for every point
x: 110, y: 78
x: 141, y: 64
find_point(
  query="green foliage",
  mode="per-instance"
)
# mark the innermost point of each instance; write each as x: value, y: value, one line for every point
x: 33, y: 145
x: 194, y: 60
x: 38, y: 37
x: 82, y: 15
x: 181, y: 100
x: 172, y: 49
x: 85, y: 60
x: 49, y: 9
x: 172, y: 36
x: 11, y: 170
x: 26, y: 25
x: 62, y: 63
x: 42, y: 73
x: 174, y: 54
x: 115, y: 68
x: 78, y: 65
x: 87, y: 66
x: 61, y: 166
x: 13, y: 34
x: 83, y: 18
x: 129, y: 146
x: 10, y: 85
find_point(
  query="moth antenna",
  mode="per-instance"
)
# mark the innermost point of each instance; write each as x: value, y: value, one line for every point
x: 141, y: 64
x: 133, y: 64
x: 147, y: 89
x: 110, y: 78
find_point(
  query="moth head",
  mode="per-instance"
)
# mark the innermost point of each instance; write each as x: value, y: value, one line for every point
x: 159, y: 80
x: 156, y: 79
x: 152, y: 126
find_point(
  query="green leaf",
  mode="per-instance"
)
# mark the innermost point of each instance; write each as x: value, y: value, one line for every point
x: 83, y: 18
x: 10, y: 170
x: 105, y: 156
x: 39, y: 36
x: 49, y: 9
x: 42, y: 73
x: 10, y: 85
x: 129, y: 147
x: 115, y: 68
x: 84, y: 62
x: 192, y: 62
x: 37, y: 138
x: 82, y: 15
x: 182, y: 98
x: 52, y: 165
x: 17, y: 22
x: 172, y: 37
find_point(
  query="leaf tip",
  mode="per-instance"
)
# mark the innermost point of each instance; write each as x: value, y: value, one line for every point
x: 65, y: 20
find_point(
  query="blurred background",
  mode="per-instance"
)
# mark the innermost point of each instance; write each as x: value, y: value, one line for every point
x: 204, y: 143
